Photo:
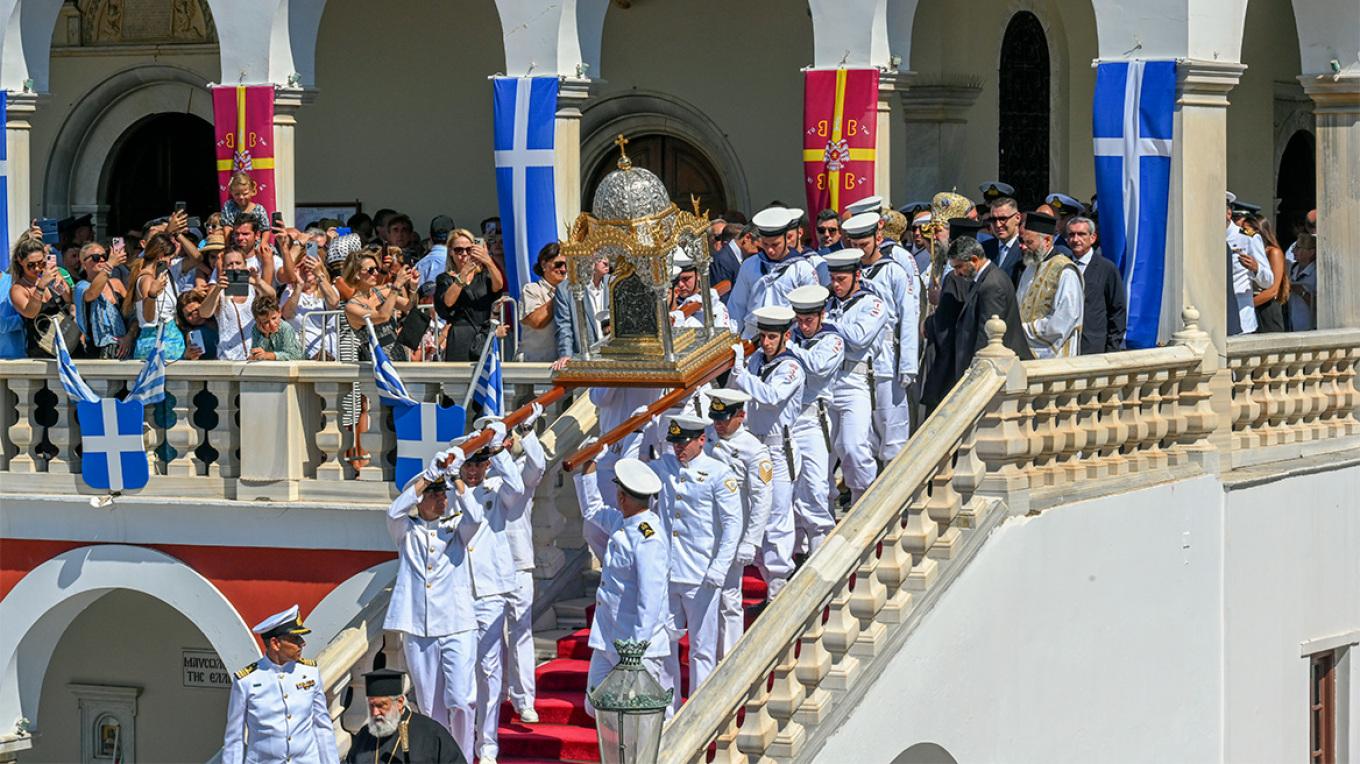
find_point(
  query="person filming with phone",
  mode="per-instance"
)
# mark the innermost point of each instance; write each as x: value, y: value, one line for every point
x: 464, y: 295
x: 153, y: 299
x: 38, y: 292
x: 98, y: 297
x: 229, y: 300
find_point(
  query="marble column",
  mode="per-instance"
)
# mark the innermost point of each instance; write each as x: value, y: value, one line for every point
x: 287, y: 101
x: 890, y: 83
x: 572, y: 94
x: 1338, y: 193
x: 1196, y: 249
x: 936, y: 118
x: 19, y: 109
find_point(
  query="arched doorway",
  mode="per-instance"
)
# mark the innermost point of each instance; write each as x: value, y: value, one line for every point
x: 1023, y: 127
x: 1296, y: 186
x: 160, y: 160
x: 683, y: 168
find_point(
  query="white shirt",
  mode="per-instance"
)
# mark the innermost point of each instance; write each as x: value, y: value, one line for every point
x: 279, y: 713
x: 493, y: 565
x: 861, y: 319
x: 536, y: 345
x: 700, y: 509
x: 311, y: 328
x: 822, y: 356
x: 902, y: 342
x: 761, y: 283
x: 432, y: 596
x: 776, y: 390
x: 1245, y: 284
x: 749, y: 460
x: 234, y: 324
x: 519, y: 525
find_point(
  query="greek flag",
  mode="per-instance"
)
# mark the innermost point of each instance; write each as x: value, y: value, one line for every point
x: 4, y: 188
x: 488, y: 391
x: 70, y: 376
x: 423, y: 430
x: 391, y: 390
x: 525, y: 113
x: 1133, y: 117
x: 150, y: 384
x: 113, y: 457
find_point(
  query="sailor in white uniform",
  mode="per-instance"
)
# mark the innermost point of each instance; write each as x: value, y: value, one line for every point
x: 700, y: 507
x: 431, y: 602
x: 861, y: 319
x: 767, y: 277
x: 821, y: 351
x: 277, y: 710
x: 895, y: 358
x: 749, y: 459
x: 774, y: 379
x: 632, y: 601
x: 685, y: 291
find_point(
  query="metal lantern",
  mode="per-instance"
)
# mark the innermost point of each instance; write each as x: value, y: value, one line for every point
x: 630, y: 708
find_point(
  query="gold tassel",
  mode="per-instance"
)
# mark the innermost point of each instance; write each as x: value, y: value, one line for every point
x: 405, y: 735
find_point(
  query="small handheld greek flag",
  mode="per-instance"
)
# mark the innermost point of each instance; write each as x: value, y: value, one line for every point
x: 488, y: 390
x: 150, y: 384
x: 393, y: 392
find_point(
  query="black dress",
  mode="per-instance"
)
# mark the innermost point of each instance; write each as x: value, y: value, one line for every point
x: 469, y: 319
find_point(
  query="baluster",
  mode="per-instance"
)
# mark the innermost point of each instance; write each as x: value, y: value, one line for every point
x: 969, y: 473
x: 1116, y: 430
x: 727, y: 750
x: 226, y: 433
x: 814, y: 663
x: 1041, y: 422
x: 370, y: 438
x: 786, y: 696
x: 1151, y: 413
x: 63, y: 434
x: 1294, y: 401
x: 1272, y: 389
x: 918, y: 537
x: 1092, y: 423
x: 758, y: 729
x: 942, y: 507
x: 183, y: 437
x: 866, y: 600
x: 7, y: 417
x: 841, y: 632
x: 1351, y: 398
x: 330, y: 438
x: 1174, y: 415
x: 894, y: 565
x: 24, y: 431
x: 1069, y: 437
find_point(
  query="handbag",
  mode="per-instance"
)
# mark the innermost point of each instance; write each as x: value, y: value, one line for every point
x: 413, y: 328
x: 48, y: 324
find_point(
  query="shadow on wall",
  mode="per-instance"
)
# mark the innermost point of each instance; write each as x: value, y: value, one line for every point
x: 924, y: 753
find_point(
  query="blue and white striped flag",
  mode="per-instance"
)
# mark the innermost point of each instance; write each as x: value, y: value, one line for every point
x: 150, y: 384
x: 70, y: 376
x: 1133, y: 124
x: 525, y: 112
x: 488, y: 390
x: 4, y: 188
x: 392, y: 391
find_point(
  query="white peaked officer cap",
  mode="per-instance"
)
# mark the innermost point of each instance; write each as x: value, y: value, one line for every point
x: 872, y: 204
x: 923, y: 217
x: 774, y: 318
x: 723, y: 404
x: 686, y: 427
x: 861, y: 226
x: 636, y: 478
x: 843, y: 260
x: 682, y: 261
x: 772, y: 221
x: 484, y: 422
x: 809, y: 299
x: 278, y: 624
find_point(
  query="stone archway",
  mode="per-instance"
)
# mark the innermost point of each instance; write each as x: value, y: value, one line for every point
x: 76, y: 178
x: 38, y: 610
x: 640, y: 113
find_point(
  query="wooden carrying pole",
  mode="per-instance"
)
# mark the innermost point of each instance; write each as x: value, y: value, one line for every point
x: 481, y: 439
x: 668, y: 401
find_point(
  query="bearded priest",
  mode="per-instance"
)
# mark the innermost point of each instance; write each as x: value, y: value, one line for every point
x: 395, y: 733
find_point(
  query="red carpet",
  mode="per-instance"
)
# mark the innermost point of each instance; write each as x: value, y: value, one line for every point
x: 564, y: 731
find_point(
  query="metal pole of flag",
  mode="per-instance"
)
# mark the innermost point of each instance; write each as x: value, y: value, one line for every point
x: 481, y: 361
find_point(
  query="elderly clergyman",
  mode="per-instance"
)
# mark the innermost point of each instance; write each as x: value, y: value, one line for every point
x: 395, y: 733
x: 1051, y: 294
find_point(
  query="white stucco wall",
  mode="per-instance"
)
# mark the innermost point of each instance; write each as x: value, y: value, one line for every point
x: 1087, y: 633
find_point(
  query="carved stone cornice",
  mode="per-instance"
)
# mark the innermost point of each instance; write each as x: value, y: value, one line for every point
x: 1333, y: 95
x: 940, y: 102
x: 1206, y: 83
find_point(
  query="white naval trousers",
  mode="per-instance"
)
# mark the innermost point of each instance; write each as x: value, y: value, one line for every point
x: 491, y: 612
x: 851, y: 439
x: 731, y: 615
x: 443, y: 675
x: 520, y: 655
x: 775, y: 558
x: 604, y: 661
x: 812, y: 517
x: 892, y: 419
x: 694, y: 607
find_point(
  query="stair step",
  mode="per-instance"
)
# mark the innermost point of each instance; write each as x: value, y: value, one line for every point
x: 574, y: 612
x: 553, y: 707
x: 546, y: 644
x: 554, y: 742
x: 563, y: 674
x: 575, y: 645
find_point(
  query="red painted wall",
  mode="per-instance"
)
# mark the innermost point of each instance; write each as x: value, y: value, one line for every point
x: 258, y: 581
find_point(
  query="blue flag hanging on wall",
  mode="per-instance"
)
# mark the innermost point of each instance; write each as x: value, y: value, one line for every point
x: 113, y: 457
x: 525, y: 114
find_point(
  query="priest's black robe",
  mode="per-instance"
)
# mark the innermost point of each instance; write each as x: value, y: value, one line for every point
x: 429, y: 744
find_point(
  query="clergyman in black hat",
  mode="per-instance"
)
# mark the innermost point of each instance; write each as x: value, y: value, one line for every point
x: 394, y: 732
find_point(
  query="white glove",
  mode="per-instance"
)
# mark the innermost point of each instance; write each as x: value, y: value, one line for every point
x: 457, y: 463
x: 498, y: 436
x: 738, y: 358
x: 746, y: 554
x: 714, y: 579
x: 533, y: 417
x: 436, y: 469
x: 904, y: 380
x: 588, y: 442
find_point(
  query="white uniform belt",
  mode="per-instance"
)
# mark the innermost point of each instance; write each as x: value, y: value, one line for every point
x: 855, y: 367
x: 773, y: 439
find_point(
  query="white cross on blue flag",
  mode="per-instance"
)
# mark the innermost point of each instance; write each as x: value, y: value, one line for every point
x: 1133, y: 124
x: 113, y: 457
x: 423, y: 430
x: 525, y: 111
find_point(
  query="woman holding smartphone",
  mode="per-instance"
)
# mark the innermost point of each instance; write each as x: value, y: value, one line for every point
x: 312, y: 294
x: 463, y: 297
x: 98, y: 296
x: 379, y: 304
x: 234, y: 318
x: 153, y: 297
x: 38, y: 289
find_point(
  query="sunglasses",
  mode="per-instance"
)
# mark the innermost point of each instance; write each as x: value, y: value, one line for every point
x: 827, y: 229
x: 460, y: 250
x: 96, y: 258
x: 36, y: 265
x: 370, y: 270
x: 562, y: 264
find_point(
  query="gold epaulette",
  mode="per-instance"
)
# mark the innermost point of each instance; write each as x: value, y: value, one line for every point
x: 245, y: 672
x: 306, y: 662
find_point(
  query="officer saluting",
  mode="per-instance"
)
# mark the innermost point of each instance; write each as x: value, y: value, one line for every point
x: 822, y: 352
x: 277, y: 711
x: 700, y: 508
x: 749, y: 460
x: 631, y: 602
x: 774, y: 379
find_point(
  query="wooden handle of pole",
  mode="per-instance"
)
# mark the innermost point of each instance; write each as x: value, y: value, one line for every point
x: 690, y: 308
x: 481, y: 439
x: 668, y: 401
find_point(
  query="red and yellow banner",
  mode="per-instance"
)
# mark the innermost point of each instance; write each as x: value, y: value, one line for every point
x: 243, y: 125
x: 840, y: 110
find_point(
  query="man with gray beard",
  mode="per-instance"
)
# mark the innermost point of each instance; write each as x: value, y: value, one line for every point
x: 395, y: 733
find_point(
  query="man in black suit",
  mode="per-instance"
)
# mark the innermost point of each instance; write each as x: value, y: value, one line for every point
x: 1004, y: 249
x: 992, y: 294
x: 1106, y: 311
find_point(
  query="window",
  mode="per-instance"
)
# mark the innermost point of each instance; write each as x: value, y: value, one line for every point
x: 1022, y: 141
x: 1322, y: 708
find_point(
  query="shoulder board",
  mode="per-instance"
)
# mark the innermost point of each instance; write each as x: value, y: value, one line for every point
x: 245, y: 672
x: 645, y: 530
x: 306, y: 662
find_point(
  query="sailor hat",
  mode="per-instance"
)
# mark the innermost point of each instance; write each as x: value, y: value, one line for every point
x: 685, y: 427
x: 772, y: 221
x: 843, y: 261
x: 636, y: 478
x: 682, y: 261
x: 773, y: 318
x: 795, y: 218
x: 725, y: 404
x: 483, y: 422
x: 914, y: 208
x: 280, y: 624
x: 861, y: 226
x: 809, y: 299
x: 872, y: 204
x: 1064, y: 204
x: 995, y: 189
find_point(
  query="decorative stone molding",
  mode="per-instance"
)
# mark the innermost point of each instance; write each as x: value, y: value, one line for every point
x: 1206, y: 83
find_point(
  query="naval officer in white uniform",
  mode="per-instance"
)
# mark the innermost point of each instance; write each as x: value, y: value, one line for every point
x: 277, y: 711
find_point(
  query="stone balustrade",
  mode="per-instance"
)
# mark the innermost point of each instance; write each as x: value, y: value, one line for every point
x: 249, y: 431
x: 1293, y: 394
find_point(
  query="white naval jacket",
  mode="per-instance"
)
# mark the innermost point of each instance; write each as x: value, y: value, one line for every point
x: 519, y: 523
x: 822, y: 356
x: 700, y: 508
x: 632, y: 599
x: 279, y: 713
x: 899, y: 292
x: 749, y: 460
x: 860, y: 319
x: 433, y: 593
x: 776, y: 390
x: 493, y: 565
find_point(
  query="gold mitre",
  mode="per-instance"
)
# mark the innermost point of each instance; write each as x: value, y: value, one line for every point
x: 948, y: 204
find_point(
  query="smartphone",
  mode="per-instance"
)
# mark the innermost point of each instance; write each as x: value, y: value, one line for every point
x: 51, y: 257
x: 343, y: 231
x: 311, y: 249
x: 181, y: 206
x: 277, y: 218
x: 479, y: 242
x: 162, y: 268
x: 49, y: 230
x: 118, y: 244
x: 196, y: 339
x: 238, y: 282
x: 193, y: 222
